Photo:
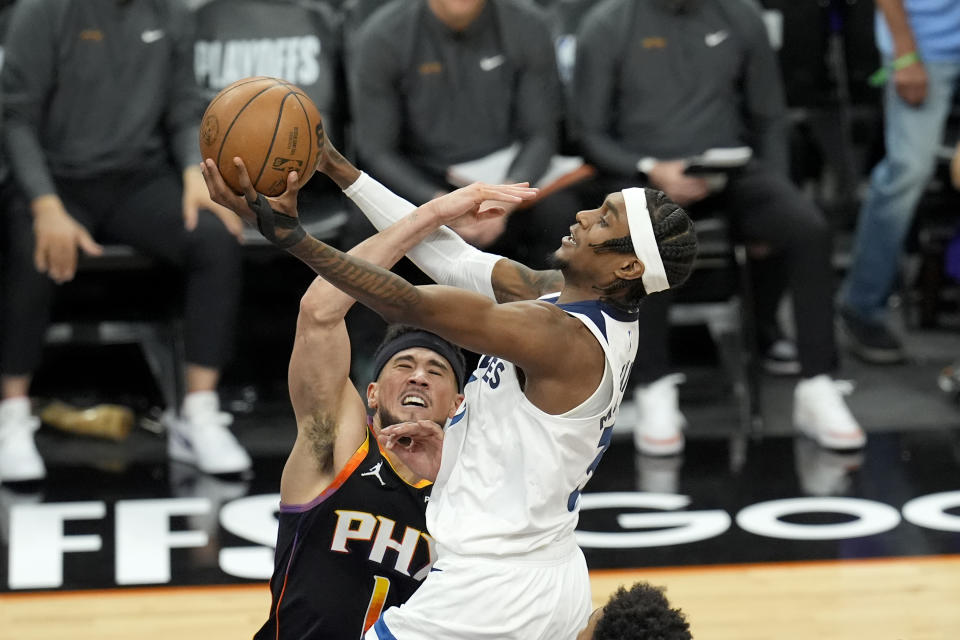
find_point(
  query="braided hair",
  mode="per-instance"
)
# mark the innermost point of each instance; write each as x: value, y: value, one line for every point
x: 676, y: 241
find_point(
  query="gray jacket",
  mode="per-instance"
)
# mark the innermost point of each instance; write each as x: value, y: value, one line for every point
x: 97, y: 86
x: 651, y: 80
x: 425, y: 97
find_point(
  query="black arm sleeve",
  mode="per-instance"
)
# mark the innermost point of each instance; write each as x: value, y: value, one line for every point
x: 594, y: 87
x: 28, y: 74
x: 376, y: 105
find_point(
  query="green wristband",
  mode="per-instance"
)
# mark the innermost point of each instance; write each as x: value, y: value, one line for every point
x: 881, y: 75
x: 905, y: 61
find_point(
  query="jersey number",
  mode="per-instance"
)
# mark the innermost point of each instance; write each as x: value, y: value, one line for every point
x: 381, y: 586
x: 606, y: 434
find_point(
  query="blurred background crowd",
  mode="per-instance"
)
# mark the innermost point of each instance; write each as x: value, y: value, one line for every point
x: 810, y: 139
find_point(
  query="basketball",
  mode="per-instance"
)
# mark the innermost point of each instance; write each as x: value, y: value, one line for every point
x: 271, y: 125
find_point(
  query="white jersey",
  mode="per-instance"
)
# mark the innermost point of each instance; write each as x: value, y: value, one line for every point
x: 511, y: 475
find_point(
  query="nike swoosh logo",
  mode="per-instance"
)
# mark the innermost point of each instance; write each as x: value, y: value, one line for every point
x: 713, y: 39
x: 491, y: 63
x: 151, y: 35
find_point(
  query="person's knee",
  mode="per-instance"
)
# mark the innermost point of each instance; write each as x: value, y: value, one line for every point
x: 801, y: 228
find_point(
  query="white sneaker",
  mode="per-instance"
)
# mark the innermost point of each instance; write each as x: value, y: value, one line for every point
x: 200, y: 436
x: 820, y: 411
x: 19, y: 459
x: 658, y: 429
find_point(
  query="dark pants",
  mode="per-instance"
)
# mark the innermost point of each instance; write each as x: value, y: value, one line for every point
x: 766, y: 209
x: 141, y: 209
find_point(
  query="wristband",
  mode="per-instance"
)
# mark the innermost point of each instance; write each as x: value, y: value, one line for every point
x: 269, y: 221
x: 881, y: 75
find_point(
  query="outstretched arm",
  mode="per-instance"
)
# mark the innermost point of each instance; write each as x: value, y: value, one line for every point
x: 330, y: 414
x: 526, y: 333
x: 444, y: 256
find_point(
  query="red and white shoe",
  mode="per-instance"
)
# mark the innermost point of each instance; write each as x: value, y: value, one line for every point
x: 658, y: 430
x: 820, y: 411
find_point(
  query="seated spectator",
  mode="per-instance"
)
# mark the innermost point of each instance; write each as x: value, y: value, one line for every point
x: 435, y: 83
x: 661, y: 81
x: 97, y: 96
x: 442, y: 82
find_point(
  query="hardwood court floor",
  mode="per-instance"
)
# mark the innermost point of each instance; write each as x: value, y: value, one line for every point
x: 889, y: 598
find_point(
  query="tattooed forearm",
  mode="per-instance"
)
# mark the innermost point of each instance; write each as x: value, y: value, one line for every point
x: 338, y: 168
x: 386, y: 293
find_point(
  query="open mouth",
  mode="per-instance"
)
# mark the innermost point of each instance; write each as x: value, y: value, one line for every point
x: 411, y: 400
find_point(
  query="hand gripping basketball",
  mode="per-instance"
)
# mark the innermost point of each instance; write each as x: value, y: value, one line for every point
x: 281, y: 230
x: 273, y: 125
x: 276, y: 218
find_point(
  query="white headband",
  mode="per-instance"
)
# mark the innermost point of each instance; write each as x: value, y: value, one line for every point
x: 644, y: 242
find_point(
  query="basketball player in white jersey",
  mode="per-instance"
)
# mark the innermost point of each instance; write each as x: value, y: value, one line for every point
x: 539, y: 410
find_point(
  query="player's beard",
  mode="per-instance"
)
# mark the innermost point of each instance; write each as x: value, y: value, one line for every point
x: 387, y: 419
x: 555, y: 262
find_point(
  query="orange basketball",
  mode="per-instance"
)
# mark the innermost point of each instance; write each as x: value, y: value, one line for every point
x: 271, y: 125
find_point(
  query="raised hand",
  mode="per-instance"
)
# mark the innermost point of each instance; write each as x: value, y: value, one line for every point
x: 276, y: 218
x: 416, y: 444
x: 481, y: 233
x: 478, y: 201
